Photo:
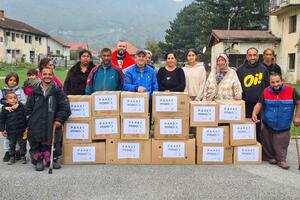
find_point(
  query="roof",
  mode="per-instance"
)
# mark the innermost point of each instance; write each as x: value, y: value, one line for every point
x: 131, y: 49
x: 59, y: 41
x: 15, y: 25
x: 74, y: 46
x: 240, y: 35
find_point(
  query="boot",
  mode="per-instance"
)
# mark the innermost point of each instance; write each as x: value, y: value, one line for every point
x: 56, y: 163
x: 6, y: 157
x: 23, y: 160
x: 11, y: 160
x: 18, y: 155
x: 39, y: 165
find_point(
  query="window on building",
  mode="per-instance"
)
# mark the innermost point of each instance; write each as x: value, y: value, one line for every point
x: 57, y: 52
x: 292, y: 62
x: 8, y: 51
x: 26, y: 39
x: 22, y: 36
x: 293, y: 24
x: 40, y: 40
x: 17, y: 35
x: 7, y: 34
x: 36, y: 38
x: 13, y: 37
x: 30, y: 39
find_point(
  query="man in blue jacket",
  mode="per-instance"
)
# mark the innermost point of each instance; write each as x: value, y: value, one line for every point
x: 106, y: 76
x: 140, y: 77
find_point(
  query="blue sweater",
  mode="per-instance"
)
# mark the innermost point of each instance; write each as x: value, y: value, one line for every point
x: 135, y: 78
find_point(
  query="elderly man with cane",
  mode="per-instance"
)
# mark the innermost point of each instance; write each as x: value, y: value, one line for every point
x: 47, y: 109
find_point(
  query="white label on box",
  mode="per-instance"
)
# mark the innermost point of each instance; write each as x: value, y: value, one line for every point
x: 77, y: 131
x: 212, y: 135
x: 106, y: 126
x: 170, y: 126
x: 133, y: 105
x: 106, y: 102
x: 166, y: 104
x: 134, y: 126
x: 243, y: 131
x: 204, y: 114
x: 79, y: 109
x: 248, y: 154
x: 213, y: 154
x: 173, y: 150
x: 84, y: 154
x: 230, y: 112
x: 128, y: 150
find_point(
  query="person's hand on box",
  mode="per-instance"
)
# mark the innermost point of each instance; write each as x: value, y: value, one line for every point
x: 57, y: 124
x: 141, y: 89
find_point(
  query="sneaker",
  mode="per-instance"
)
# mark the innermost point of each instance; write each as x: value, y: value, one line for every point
x: 23, y: 160
x: 18, y: 155
x: 6, y: 157
x: 273, y: 161
x: 11, y: 160
x: 283, y: 165
x: 56, y: 164
x: 40, y: 165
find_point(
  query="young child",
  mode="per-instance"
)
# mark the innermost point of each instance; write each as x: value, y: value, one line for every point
x: 11, y: 81
x: 31, y: 82
x: 278, y: 103
x: 13, y: 125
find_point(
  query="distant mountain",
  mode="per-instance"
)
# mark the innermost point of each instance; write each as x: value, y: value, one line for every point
x: 99, y: 22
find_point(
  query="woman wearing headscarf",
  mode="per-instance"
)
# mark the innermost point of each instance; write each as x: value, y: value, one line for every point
x: 223, y: 83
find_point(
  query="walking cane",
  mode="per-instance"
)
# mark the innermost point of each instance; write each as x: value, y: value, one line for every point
x: 297, y: 146
x: 52, y: 149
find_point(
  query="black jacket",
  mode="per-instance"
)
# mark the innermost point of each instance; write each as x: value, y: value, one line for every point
x: 13, y: 122
x: 273, y: 68
x: 76, y: 80
x: 254, y: 79
x: 42, y: 111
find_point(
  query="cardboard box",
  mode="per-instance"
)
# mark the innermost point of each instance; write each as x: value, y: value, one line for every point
x: 106, y: 128
x: 93, y: 153
x: 204, y: 113
x: 134, y: 128
x: 212, y: 136
x: 75, y: 131
x: 251, y: 154
x: 243, y: 133
x: 128, y: 152
x: 106, y: 103
x: 231, y: 111
x: 134, y: 104
x: 170, y: 152
x: 170, y: 104
x: 214, y: 155
x: 80, y: 107
x: 176, y: 128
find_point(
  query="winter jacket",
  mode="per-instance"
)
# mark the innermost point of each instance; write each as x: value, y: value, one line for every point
x: 104, y: 79
x: 13, y: 122
x: 42, y: 110
x: 135, y: 78
x: 75, y: 82
x: 254, y: 79
x: 278, y: 108
x: 17, y: 90
x: 127, y: 62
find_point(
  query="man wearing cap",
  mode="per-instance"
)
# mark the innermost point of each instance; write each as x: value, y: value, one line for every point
x: 140, y: 77
x: 121, y: 57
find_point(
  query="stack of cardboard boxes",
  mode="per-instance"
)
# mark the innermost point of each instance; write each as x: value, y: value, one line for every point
x: 134, y: 147
x: 171, y: 143
x: 78, y: 147
x: 222, y: 132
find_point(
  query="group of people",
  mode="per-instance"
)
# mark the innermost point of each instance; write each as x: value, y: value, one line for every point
x: 47, y: 108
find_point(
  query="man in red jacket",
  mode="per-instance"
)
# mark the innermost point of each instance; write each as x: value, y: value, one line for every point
x: 121, y: 57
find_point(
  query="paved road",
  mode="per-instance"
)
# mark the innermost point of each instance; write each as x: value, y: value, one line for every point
x: 152, y: 182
